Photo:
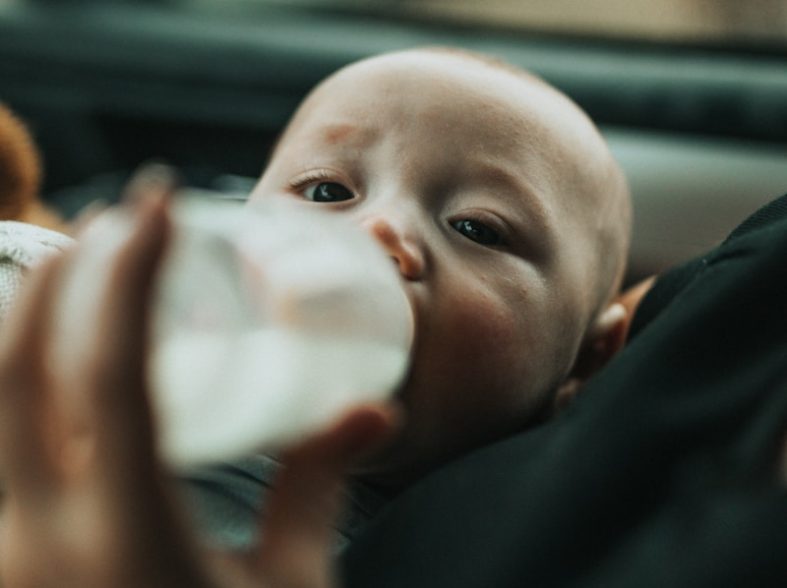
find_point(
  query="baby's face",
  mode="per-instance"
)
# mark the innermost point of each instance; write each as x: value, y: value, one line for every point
x: 467, y: 176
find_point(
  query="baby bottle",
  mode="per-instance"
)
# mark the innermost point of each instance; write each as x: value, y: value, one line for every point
x: 269, y: 321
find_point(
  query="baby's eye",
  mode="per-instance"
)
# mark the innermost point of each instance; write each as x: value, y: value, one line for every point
x: 478, y: 232
x: 328, y: 192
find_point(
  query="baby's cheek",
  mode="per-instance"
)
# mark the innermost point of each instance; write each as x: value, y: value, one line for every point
x: 491, y: 340
x: 470, y: 382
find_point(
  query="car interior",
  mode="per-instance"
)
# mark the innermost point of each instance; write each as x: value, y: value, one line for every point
x: 691, y: 95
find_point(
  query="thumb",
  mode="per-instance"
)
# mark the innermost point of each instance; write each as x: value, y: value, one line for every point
x: 298, y: 542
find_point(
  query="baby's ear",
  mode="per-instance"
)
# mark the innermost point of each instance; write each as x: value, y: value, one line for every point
x: 605, y: 338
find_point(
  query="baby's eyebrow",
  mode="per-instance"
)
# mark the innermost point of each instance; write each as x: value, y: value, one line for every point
x: 530, y: 209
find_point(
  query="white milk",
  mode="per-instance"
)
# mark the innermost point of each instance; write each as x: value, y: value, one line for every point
x: 219, y: 398
x: 270, y: 322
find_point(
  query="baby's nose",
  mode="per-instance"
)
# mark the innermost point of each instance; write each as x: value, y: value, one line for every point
x: 406, y: 253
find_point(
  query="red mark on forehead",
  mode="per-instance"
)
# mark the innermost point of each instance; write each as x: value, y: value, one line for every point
x: 338, y: 133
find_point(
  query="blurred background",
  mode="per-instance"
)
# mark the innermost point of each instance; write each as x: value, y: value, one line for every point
x: 692, y: 94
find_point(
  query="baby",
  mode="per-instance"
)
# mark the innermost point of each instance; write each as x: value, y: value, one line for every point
x: 509, y: 220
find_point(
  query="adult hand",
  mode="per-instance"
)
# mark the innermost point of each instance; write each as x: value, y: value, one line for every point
x: 87, y: 503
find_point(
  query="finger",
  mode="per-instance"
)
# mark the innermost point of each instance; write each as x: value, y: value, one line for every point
x: 124, y: 475
x: 121, y: 415
x: 87, y: 215
x: 150, y: 178
x: 27, y: 424
x: 298, y: 540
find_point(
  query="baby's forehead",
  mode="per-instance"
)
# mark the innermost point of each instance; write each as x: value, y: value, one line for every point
x: 418, y: 84
x: 445, y: 60
x: 423, y: 89
x: 417, y: 71
x: 432, y: 101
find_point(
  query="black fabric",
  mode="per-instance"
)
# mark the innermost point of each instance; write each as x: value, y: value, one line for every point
x: 663, y: 473
x: 662, y: 293
x: 770, y: 213
x: 676, y: 279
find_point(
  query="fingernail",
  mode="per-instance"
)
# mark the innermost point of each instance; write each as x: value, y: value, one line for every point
x: 150, y: 180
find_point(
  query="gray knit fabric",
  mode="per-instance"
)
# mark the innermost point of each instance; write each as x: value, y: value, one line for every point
x: 22, y: 246
x: 226, y: 502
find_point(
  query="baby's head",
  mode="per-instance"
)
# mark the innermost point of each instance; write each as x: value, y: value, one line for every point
x: 506, y: 215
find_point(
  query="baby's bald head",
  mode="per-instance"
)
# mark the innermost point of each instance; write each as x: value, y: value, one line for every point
x: 501, y: 204
x: 591, y: 188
